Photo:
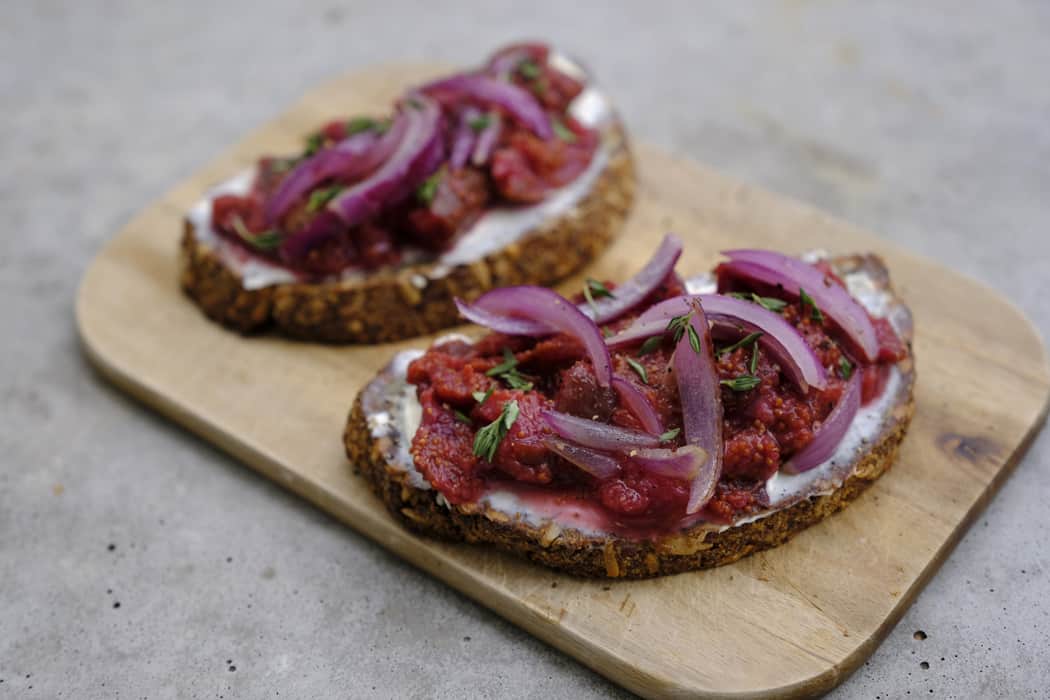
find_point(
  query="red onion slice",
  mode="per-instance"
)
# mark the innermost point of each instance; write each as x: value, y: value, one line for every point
x: 417, y: 155
x: 683, y: 463
x: 599, y: 436
x: 350, y: 159
x: 628, y: 295
x: 792, y: 274
x: 506, y: 60
x: 549, y: 310
x: 498, y: 322
x: 831, y: 431
x: 639, y: 405
x: 487, y: 140
x: 515, y: 101
x: 701, y: 397
x: 779, y: 338
x: 597, y: 464
x: 465, y: 138
x: 347, y: 158
x: 635, y: 290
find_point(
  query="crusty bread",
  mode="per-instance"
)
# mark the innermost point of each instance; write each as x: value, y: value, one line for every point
x: 567, y: 549
x: 392, y: 304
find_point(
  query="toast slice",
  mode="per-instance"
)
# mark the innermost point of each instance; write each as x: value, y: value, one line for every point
x: 537, y: 243
x: 381, y: 424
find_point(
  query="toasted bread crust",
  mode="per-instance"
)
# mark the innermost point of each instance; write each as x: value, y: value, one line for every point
x: 609, y: 557
x: 391, y: 305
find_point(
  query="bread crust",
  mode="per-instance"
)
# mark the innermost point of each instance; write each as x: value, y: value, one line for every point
x: 392, y: 305
x: 610, y: 556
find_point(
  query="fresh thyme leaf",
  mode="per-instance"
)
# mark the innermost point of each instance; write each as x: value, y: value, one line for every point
x: 742, y: 343
x: 563, y: 132
x: 429, y: 187
x: 507, y: 371
x: 516, y: 380
x: 670, y: 435
x: 650, y: 344
x: 593, y: 288
x: 746, y: 382
x: 509, y: 363
x: 639, y: 369
x: 529, y: 69
x: 677, y: 326
x: 264, y: 240
x: 313, y: 144
x: 598, y: 289
x: 845, y: 368
x: 480, y: 123
x: 462, y: 417
x: 359, y: 124
x: 768, y: 303
x: 483, y: 396
x: 488, y: 438
x: 754, y: 359
x: 321, y: 197
x: 807, y: 300
x: 694, y: 338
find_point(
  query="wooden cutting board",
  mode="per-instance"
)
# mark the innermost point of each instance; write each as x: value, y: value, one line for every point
x: 790, y: 622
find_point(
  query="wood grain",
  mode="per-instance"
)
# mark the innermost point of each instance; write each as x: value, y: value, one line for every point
x: 786, y: 623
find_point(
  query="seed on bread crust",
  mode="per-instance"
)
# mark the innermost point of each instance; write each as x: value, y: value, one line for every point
x: 390, y: 304
x: 609, y: 556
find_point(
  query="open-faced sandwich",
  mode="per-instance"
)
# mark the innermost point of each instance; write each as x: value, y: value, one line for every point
x: 515, y: 173
x: 648, y: 428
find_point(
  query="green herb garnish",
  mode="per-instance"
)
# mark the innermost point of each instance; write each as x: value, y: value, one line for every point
x: 508, y: 372
x: 487, y: 440
x: 322, y: 196
x: 754, y: 359
x: 639, y: 369
x: 429, y: 187
x: 650, y: 344
x: 563, y: 132
x: 359, y: 124
x: 845, y: 368
x: 807, y: 300
x: 516, y: 380
x: 509, y: 363
x: 462, y: 417
x: 680, y: 325
x: 483, y: 396
x: 677, y: 326
x: 264, y: 240
x: 529, y: 69
x: 768, y: 303
x: 670, y: 435
x: 480, y: 123
x: 314, y: 142
x: 742, y: 343
x: 746, y: 382
x: 593, y: 288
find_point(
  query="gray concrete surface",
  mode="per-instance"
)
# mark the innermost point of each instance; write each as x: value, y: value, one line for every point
x: 136, y: 561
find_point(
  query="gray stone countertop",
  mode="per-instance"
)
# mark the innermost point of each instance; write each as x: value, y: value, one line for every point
x: 137, y: 561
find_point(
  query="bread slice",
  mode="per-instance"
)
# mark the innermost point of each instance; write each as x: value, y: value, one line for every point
x: 414, y: 299
x: 377, y: 446
x: 538, y: 244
